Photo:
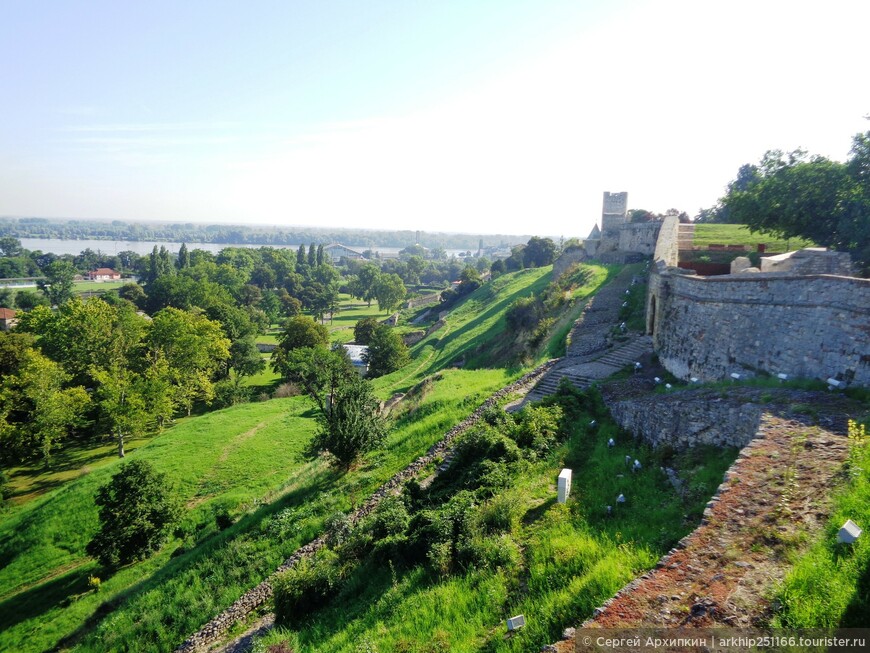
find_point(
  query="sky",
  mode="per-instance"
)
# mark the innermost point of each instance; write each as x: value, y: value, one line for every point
x: 504, y: 116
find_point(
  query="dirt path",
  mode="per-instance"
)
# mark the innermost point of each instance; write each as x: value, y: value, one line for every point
x: 775, y: 493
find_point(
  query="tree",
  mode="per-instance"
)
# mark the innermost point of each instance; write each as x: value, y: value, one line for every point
x: 320, y: 372
x: 364, y: 330
x: 183, y: 261
x: 195, y: 349
x: 539, y: 252
x: 299, y: 332
x: 386, y: 352
x: 389, y: 291
x: 138, y: 507
x: 58, y: 283
x: 353, y: 425
x: 469, y: 280
x: 41, y: 409
x: 367, y: 278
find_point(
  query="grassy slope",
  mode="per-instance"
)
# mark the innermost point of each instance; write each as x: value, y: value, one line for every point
x: 43, y: 583
x: 574, y: 559
x: 738, y: 234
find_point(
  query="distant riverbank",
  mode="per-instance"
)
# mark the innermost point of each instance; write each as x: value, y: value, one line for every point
x: 143, y: 247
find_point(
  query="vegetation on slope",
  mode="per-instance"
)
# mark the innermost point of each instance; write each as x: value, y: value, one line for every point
x: 829, y: 587
x: 243, y: 465
x: 513, y: 549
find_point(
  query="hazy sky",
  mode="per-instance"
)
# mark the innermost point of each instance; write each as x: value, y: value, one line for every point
x: 509, y: 116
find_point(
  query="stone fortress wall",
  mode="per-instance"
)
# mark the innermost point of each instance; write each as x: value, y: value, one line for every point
x: 784, y: 322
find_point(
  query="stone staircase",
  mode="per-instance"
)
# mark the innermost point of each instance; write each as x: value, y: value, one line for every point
x: 685, y: 236
x: 594, y: 351
x: 583, y: 374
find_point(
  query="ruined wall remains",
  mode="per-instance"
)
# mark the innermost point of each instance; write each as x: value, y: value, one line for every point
x: 688, y: 419
x: 813, y: 260
x: 571, y: 256
x: 640, y: 237
x: 814, y: 326
x: 667, y: 249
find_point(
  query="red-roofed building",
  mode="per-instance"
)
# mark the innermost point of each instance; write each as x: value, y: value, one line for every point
x: 104, y: 274
x: 7, y: 319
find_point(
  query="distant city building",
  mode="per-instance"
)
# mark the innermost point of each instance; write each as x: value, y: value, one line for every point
x: 336, y: 251
x: 104, y: 274
x: 7, y: 319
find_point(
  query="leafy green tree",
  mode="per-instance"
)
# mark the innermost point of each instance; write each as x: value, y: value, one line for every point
x: 364, y: 330
x: 138, y: 508
x: 298, y: 332
x: 795, y: 194
x: 367, y: 279
x: 539, y: 252
x: 183, y: 260
x: 38, y: 410
x: 320, y: 372
x: 386, y: 352
x: 353, y: 425
x: 58, y: 282
x: 389, y: 291
x: 27, y: 300
x: 195, y: 349
x: 10, y: 247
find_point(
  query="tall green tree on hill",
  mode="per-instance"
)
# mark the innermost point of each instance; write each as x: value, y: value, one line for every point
x: 797, y: 195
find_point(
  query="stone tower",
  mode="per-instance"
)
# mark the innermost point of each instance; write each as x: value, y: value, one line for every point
x: 614, y: 213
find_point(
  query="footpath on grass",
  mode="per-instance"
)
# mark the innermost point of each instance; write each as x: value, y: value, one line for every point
x: 775, y: 495
x: 215, y: 629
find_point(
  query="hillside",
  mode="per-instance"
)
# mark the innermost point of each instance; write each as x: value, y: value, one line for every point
x: 245, y: 464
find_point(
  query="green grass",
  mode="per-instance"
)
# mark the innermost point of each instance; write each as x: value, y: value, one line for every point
x: 574, y: 558
x: 247, y: 459
x: 738, y: 234
x: 829, y: 587
x: 98, y: 286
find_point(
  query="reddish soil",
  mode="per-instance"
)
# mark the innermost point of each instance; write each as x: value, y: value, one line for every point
x: 775, y: 495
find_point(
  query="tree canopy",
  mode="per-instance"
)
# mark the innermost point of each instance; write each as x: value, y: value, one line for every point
x: 795, y: 194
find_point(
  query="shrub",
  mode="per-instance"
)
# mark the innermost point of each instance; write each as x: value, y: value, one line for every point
x: 94, y: 583
x: 286, y: 390
x: 490, y: 552
x: 228, y: 393
x: 337, y: 528
x: 523, y: 314
x: 537, y: 427
x: 389, y: 518
x: 307, y: 586
x: 138, y: 508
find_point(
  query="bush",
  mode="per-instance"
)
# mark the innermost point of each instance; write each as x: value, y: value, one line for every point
x: 389, y: 518
x: 307, y: 586
x: 138, y: 508
x: 490, y: 552
x: 501, y: 514
x: 537, y: 427
x: 228, y: 393
x: 337, y: 529
x: 286, y: 390
x: 523, y: 314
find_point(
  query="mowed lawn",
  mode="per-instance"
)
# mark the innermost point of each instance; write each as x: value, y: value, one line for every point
x: 739, y: 234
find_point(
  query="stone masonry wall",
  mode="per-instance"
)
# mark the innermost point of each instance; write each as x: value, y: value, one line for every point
x: 688, y: 419
x: 668, y: 244
x: 640, y: 237
x: 804, y: 326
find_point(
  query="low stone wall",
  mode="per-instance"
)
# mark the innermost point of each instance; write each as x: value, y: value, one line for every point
x: 690, y: 418
x: 256, y: 597
x: 426, y: 300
